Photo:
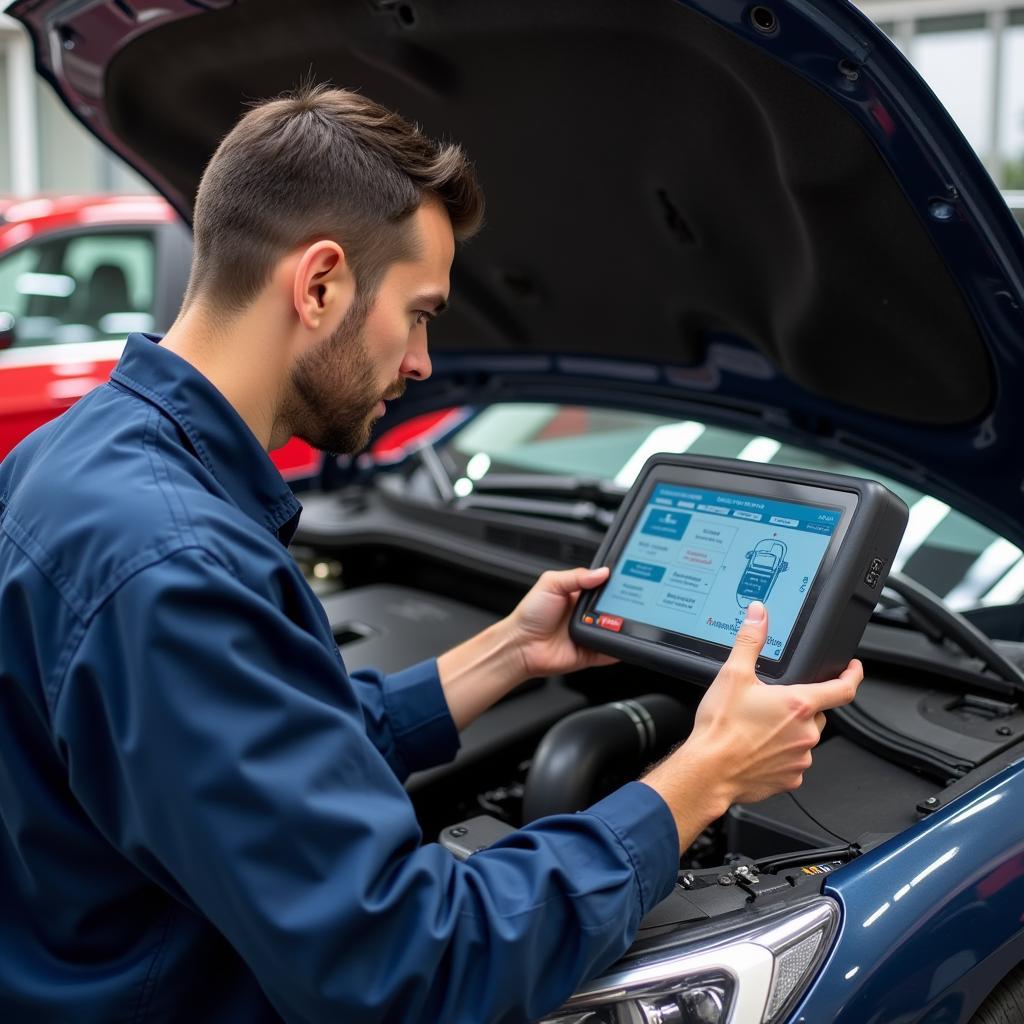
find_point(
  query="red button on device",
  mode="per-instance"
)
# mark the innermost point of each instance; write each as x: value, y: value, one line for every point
x: 612, y: 622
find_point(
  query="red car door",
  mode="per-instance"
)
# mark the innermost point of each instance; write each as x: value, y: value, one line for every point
x: 38, y: 383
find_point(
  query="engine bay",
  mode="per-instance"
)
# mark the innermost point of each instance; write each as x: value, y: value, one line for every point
x: 404, y: 579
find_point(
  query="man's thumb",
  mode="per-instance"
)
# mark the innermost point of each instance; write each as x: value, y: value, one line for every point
x: 750, y: 638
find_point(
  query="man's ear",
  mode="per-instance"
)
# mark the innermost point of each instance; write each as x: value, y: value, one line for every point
x: 323, y: 285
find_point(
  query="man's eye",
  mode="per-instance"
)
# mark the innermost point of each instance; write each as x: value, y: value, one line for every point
x: 423, y: 317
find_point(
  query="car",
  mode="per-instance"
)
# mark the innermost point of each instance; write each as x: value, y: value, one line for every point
x: 765, y: 562
x: 745, y: 230
x: 77, y: 273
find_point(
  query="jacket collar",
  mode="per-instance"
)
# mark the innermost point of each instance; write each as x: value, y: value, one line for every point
x: 220, y: 438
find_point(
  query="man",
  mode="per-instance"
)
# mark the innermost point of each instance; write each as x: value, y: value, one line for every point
x: 203, y: 815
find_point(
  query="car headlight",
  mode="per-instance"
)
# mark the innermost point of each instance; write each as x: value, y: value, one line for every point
x: 750, y: 977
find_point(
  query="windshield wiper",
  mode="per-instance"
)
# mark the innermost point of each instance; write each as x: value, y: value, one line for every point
x: 603, y: 493
x: 578, y: 499
x: 938, y: 622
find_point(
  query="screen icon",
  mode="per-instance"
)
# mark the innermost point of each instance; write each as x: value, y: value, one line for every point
x: 765, y: 563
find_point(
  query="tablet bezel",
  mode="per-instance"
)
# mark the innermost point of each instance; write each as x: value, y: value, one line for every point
x: 761, y: 482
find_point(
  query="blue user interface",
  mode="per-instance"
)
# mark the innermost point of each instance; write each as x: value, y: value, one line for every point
x: 697, y: 558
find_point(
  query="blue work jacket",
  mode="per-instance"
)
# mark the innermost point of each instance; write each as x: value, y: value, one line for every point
x: 202, y: 815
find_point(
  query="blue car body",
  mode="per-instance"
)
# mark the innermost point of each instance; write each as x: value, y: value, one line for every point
x: 931, y: 920
x: 932, y: 910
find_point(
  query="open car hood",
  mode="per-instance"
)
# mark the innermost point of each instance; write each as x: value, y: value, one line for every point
x: 756, y: 215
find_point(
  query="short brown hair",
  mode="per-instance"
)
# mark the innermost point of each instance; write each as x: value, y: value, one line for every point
x: 320, y: 163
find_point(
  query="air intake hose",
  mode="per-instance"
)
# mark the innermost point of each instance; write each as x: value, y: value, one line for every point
x: 594, y: 751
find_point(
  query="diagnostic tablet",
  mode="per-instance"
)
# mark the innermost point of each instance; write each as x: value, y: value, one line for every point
x: 697, y: 539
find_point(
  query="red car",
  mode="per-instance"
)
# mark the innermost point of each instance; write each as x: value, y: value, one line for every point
x: 77, y: 274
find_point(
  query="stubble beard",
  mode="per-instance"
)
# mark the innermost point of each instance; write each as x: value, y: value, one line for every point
x: 334, y: 390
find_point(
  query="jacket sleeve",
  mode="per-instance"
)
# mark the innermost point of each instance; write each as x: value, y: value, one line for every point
x: 407, y: 716
x: 221, y: 749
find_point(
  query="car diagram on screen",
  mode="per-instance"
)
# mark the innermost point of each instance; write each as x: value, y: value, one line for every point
x: 765, y: 563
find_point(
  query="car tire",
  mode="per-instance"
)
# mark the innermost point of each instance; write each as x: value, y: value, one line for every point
x: 1005, y: 1004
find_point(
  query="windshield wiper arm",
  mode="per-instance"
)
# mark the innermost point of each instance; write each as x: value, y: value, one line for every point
x: 574, y: 511
x: 602, y: 493
x: 957, y: 628
x: 576, y: 498
x: 438, y: 474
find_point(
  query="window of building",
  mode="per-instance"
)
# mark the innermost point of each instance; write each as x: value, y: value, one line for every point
x: 955, y: 56
x: 1011, y: 129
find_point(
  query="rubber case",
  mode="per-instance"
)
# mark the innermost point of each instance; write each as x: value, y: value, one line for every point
x: 841, y: 598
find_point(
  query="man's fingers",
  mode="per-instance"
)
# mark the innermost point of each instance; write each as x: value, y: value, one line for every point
x: 568, y: 581
x: 750, y: 638
x: 835, y: 692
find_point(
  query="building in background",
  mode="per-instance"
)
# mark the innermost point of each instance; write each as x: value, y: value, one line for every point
x: 43, y: 149
x: 971, y: 52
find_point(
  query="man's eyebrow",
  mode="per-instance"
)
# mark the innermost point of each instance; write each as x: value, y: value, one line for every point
x: 433, y: 301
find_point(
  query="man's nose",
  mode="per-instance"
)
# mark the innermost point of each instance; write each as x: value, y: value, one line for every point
x: 417, y: 360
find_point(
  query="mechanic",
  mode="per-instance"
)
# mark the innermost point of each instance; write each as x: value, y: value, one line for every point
x: 203, y: 813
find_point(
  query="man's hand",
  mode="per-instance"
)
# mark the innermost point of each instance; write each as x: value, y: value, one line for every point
x: 540, y: 624
x: 749, y: 739
x: 532, y: 641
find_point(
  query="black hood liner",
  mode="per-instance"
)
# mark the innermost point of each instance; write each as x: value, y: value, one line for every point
x: 650, y: 178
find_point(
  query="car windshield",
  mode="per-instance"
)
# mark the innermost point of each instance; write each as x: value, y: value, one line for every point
x: 953, y: 555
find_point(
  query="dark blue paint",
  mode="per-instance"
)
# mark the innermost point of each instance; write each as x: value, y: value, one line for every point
x: 932, y: 919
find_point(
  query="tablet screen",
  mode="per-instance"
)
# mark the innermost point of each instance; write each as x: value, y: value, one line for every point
x: 697, y: 557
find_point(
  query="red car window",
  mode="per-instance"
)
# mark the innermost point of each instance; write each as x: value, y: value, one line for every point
x: 82, y: 287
